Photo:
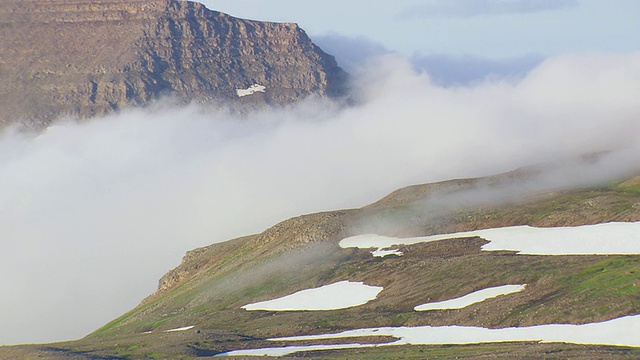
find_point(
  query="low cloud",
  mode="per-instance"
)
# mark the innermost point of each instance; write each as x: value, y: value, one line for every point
x: 354, y: 53
x: 448, y: 70
x: 94, y: 213
x: 471, y: 8
x: 351, y: 53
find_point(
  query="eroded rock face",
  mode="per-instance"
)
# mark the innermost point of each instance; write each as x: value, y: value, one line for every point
x: 84, y: 58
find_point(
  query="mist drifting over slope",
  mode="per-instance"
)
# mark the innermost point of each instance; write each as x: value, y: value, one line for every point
x: 94, y: 213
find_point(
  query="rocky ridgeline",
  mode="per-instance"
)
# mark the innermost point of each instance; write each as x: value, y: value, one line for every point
x: 86, y: 58
x: 294, y: 233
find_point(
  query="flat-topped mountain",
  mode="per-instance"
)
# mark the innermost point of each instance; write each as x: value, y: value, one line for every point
x: 84, y: 58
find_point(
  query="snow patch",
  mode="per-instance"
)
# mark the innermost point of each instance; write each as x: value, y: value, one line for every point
x: 367, y: 241
x: 383, y: 253
x: 617, y: 332
x: 250, y: 90
x: 282, y: 351
x: 614, y: 238
x: 185, y: 328
x: 471, y: 298
x: 340, y: 295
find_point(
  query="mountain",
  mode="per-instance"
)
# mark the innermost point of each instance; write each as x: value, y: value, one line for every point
x: 85, y: 58
x: 198, y: 308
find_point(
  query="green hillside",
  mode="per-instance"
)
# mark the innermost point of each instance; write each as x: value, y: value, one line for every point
x: 209, y: 288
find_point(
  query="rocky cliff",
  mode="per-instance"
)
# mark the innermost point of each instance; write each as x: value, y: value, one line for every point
x: 85, y: 58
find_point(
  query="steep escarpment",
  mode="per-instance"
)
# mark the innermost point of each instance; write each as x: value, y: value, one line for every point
x: 84, y: 58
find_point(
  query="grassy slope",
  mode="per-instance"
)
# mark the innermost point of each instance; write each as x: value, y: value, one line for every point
x: 211, y: 286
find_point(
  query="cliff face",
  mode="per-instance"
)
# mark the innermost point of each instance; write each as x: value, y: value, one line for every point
x: 85, y: 58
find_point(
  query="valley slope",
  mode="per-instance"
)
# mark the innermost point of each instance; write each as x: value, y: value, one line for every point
x: 204, y: 295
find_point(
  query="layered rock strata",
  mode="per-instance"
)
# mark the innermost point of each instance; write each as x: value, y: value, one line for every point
x: 84, y: 58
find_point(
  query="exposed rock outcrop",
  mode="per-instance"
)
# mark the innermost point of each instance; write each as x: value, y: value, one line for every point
x: 287, y: 235
x: 84, y: 58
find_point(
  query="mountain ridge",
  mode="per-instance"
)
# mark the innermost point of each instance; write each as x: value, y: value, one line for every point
x: 471, y: 217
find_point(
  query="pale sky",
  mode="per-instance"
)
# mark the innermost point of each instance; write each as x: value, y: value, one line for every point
x: 493, y: 29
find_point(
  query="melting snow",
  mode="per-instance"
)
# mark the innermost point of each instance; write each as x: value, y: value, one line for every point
x: 472, y: 298
x: 250, y: 90
x: 617, y: 332
x: 366, y: 241
x: 600, y: 239
x: 282, y: 351
x: 383, y: 253
x: 180, y: 329
x: 340, y: 295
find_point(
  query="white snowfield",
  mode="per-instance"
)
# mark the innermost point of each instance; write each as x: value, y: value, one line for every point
x: 614, y: 238
x: 600, y: 239
x: 184, y: 328
x: 617, y: 332
x: 383, y: 253
x: 250, y: 90
x: 471, y: 298
x: 282, y: 351
x: 340, y: 295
